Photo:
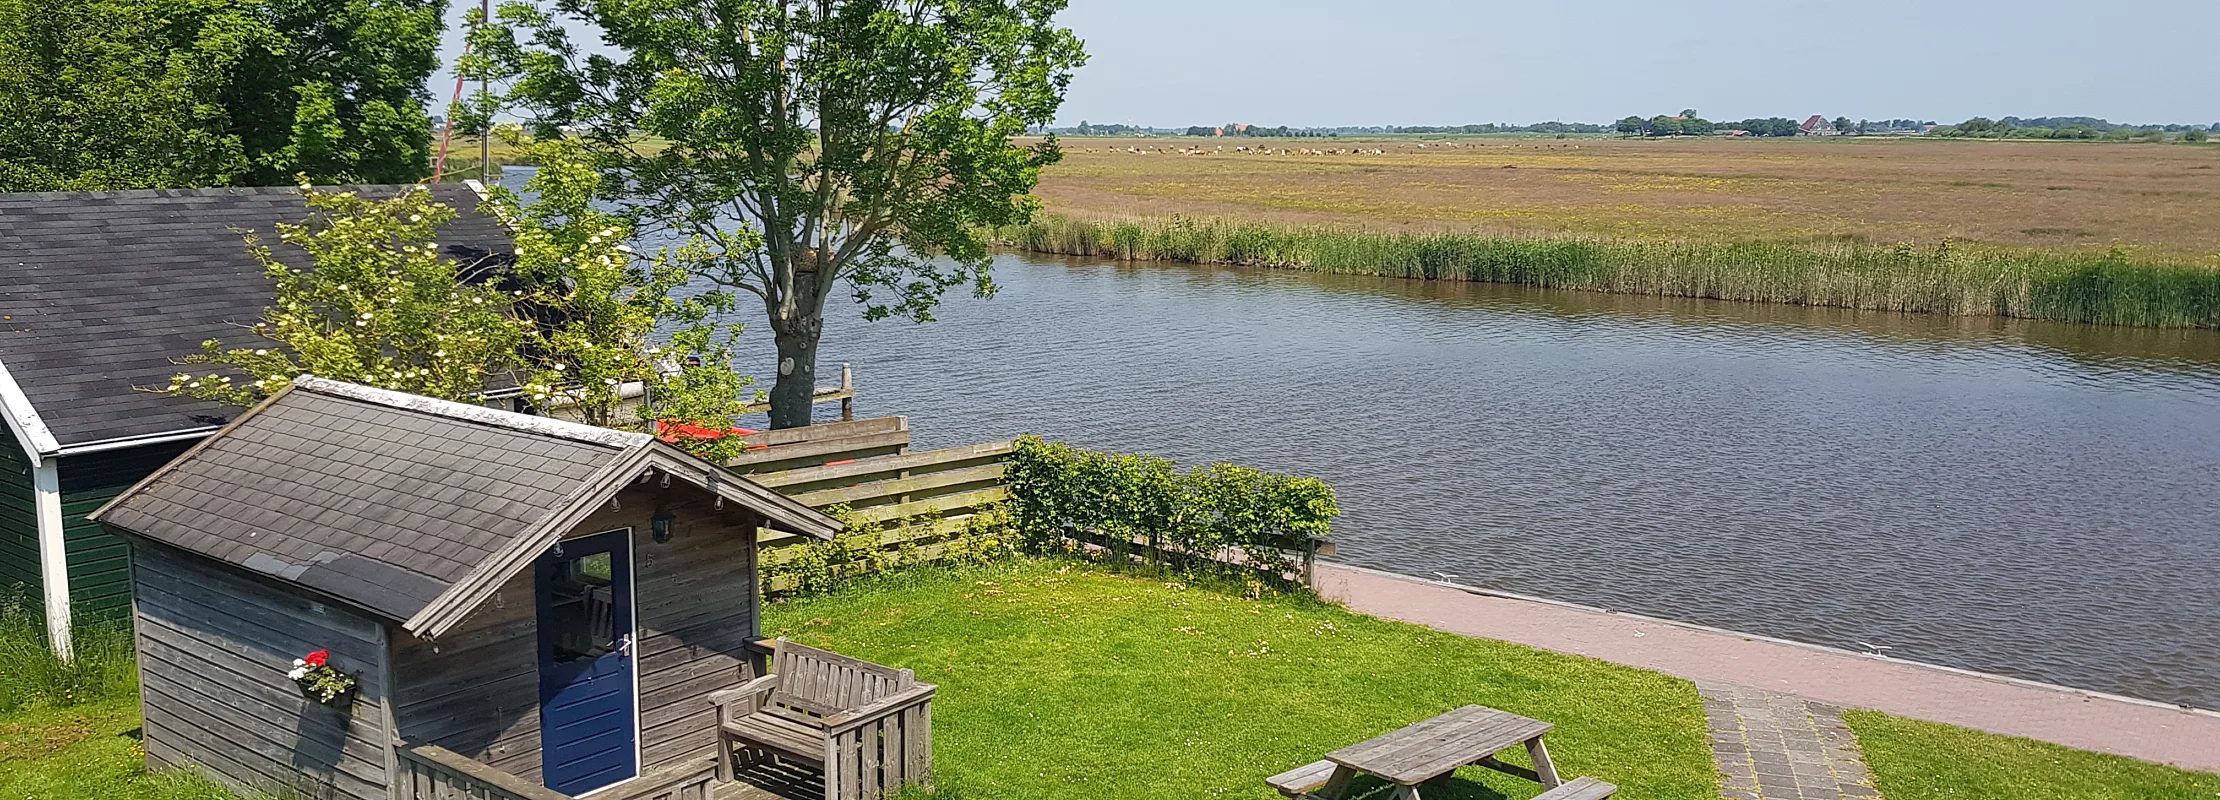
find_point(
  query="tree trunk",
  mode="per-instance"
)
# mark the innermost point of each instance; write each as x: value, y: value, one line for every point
x: 797, y: 371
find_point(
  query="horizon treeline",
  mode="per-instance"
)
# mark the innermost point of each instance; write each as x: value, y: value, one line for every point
x: 1686, y: 123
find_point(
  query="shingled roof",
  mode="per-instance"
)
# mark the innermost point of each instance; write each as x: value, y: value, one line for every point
x: 100, y: 291
x: 409, y: 507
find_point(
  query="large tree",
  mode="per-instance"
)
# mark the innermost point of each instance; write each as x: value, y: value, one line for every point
x: 572, y: 321
x: 797, y: 146
x: 111, y: 94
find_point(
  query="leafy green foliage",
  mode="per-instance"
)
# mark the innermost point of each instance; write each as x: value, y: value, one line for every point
x: 815, y: 567
x: 576, y: 330
x: 381, y: 307
x: 596, y: 307
x: 800, y: 146
x: 1061, y: 493
x: 112, y: 94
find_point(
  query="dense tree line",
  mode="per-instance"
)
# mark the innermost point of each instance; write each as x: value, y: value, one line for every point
x: 2072, y: 128
x: 1686, y: 123
x: 1465, y: 130
x: 107, y: 94
x: 1085, y: 128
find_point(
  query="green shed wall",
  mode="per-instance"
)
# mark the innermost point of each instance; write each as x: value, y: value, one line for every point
x: 19, y: 528
x: 100, y: 563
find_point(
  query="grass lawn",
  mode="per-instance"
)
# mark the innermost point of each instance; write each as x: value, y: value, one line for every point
x: 1067, y: 683
x: 1914, y: 760
x: 87, y: 751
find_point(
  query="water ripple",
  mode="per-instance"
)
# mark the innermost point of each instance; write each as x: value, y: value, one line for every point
x: 2025, y: 498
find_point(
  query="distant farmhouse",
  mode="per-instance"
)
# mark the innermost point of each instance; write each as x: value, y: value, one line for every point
x: 99, y: 293
x: 1817, y: 126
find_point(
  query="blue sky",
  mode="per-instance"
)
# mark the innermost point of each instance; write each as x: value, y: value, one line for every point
x: 1433, y: 62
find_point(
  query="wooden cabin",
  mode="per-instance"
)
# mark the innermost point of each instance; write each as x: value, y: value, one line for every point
x: 101, y: 292
x: 530, y: 608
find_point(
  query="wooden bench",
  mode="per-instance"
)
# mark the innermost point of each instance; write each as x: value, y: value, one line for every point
x: 1303, y: 780
x: 1581, y: 788
x: 866, y: 726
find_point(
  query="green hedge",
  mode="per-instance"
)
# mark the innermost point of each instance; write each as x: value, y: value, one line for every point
x: 1060, y: 494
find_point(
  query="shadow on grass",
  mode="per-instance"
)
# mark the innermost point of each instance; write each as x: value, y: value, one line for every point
x: 1455, y: 787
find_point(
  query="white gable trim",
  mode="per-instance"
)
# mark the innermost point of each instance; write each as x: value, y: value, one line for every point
x: 24, y: 421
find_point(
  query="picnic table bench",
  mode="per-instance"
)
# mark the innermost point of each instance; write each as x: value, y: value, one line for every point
x: 1431, y: 750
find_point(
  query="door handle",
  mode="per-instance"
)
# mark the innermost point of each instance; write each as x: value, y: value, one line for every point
x: 624, y: 645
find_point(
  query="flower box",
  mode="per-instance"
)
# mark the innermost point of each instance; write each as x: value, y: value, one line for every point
x: 322, y: 682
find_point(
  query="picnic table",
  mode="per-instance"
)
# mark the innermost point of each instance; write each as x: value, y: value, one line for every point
x: 1433, y: 749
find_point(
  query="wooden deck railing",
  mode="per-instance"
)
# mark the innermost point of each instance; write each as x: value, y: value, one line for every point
x: 430, y: 772
x: 872, y: 753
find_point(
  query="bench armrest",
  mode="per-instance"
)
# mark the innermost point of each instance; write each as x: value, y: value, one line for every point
x: 879, y: 709
x: 744, y: 699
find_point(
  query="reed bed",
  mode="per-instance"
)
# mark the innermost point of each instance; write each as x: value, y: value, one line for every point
x: 2116, y: 287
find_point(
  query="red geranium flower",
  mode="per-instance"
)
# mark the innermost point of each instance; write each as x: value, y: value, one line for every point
x: 317, y: 659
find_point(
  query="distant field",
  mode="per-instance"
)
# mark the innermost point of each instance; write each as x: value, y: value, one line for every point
x: 2161, y: 200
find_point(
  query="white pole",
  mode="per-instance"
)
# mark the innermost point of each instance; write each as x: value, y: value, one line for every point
x: 46, y: 485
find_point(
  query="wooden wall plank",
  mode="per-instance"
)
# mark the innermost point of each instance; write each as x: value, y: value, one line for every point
x: 475, y: 692
x: 214, y: 649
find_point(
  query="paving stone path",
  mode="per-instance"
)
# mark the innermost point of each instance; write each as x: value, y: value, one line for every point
x: 1782, y: 747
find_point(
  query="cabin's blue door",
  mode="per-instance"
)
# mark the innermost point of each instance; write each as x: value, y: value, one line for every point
x: 588, y: 729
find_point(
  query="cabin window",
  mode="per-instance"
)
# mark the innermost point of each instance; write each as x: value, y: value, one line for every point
x: 582, y: 618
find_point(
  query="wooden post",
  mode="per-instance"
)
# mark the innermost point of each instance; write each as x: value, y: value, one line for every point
x: 848, y: 387
x: 1544, y: 771
x: 1313, y: 548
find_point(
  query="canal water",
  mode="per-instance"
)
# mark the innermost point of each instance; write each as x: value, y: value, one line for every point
x: 2025, y: 498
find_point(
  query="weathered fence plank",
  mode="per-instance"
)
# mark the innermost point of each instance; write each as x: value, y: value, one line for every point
x: 883, y: 467
x: 816, y: 453
x: 912, y: 502
x: 865, y: 493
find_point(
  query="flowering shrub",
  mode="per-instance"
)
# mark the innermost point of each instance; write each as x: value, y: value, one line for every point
x: 315, y: 674
x: 1189, y: 521
x: 382, y: 306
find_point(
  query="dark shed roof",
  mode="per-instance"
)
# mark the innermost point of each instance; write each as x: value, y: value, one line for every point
x: 397, y: 503
x: 100, y: 291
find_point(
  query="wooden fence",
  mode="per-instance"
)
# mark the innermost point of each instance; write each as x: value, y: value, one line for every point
x: 920, y: 500
x: 911, y: 500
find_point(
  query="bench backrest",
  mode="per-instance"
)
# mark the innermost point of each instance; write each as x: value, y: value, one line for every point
x: 820, y: 683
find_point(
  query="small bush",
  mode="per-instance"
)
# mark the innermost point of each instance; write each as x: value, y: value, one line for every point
x: 820, y: 566
x: 1061, y: 496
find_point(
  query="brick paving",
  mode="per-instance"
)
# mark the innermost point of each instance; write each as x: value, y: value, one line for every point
x: 1773, y: 746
